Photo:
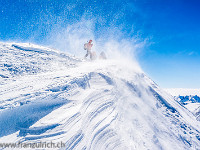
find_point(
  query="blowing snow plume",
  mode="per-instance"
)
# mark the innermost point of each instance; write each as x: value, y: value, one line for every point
x: 86, y: 105
x: 72, y: 38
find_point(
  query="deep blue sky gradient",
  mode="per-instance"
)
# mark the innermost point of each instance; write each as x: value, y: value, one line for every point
x: 172, y: 52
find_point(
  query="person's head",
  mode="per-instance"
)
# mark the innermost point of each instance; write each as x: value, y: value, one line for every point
x: 90, y: 41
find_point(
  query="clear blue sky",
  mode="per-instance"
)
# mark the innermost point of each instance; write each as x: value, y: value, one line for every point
x: 171, y: 56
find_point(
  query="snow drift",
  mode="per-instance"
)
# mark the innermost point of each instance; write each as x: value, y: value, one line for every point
x: 50, y: 96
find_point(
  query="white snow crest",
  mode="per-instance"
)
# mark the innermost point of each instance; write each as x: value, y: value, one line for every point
x: 103, y: 104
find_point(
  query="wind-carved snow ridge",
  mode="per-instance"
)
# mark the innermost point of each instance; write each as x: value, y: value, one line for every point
x: 104, y: 104
x: 19, y: 59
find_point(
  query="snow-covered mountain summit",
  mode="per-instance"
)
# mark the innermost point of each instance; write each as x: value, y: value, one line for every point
x: 105, y: 104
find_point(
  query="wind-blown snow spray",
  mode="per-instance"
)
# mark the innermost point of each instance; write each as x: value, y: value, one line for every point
x: 71, y: 39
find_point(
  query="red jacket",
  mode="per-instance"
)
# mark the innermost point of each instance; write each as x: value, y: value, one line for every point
x: 89, y: 46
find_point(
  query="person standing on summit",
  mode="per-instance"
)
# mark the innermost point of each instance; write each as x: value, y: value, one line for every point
x: 88, y: 47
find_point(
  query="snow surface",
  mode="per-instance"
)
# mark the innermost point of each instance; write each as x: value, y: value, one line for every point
x: 48, y: 96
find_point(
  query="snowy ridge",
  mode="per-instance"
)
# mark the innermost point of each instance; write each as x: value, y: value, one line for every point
x: 18, y: 59
x: 92, y: 105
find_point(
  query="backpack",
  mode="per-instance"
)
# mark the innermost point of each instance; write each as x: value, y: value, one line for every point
x: 85, y: 46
